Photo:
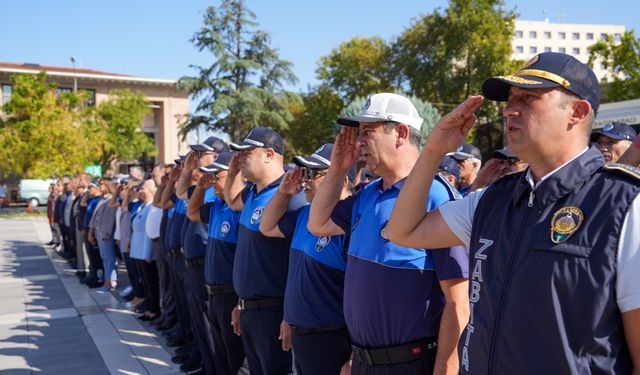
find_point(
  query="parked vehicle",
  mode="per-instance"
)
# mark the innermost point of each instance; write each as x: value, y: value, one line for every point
x: 35, y: 192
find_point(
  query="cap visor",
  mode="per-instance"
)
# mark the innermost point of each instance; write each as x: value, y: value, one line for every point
x: 209, y: 169
x: 242, y: 146
x: 356, y: 120
x: 458, y: 156
x: 309, y: 162
x: 200, y: 148
x: 594, y: 136
x: 497, y: 88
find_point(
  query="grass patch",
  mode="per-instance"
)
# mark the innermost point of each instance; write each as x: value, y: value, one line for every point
x: 6, y: 214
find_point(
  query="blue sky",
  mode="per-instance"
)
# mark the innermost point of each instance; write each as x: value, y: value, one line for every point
x: 151, y: 38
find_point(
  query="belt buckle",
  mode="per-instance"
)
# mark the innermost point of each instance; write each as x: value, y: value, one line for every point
x: 364, y: 355
x: 240, y: 304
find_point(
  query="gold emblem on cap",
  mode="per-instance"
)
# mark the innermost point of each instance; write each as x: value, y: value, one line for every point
x: 520, y: 80
x: 566, y: 221
x: 531, y: 61
x: 546, y: 75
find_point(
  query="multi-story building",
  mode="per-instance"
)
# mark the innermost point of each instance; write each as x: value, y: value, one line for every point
x: 533, y: 37
x: 168, y: 105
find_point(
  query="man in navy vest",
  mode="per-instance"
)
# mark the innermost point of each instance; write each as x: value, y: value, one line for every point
x: 555, y: 287
x: 404, y: 307
x: 218, y: 268
x: 260, y: 265
x: 315, y: 284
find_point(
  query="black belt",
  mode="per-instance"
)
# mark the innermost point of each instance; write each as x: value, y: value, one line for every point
x: 195, y: 262
x: 259, y: 304
x: 396, y: 354
x: 301, y: 331
x: 214, y: 290
x: 175, y: 252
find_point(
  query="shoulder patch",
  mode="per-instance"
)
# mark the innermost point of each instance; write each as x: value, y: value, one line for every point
x: 623, y: 169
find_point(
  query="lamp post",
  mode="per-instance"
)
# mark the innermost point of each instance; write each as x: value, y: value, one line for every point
x: 75, y: 78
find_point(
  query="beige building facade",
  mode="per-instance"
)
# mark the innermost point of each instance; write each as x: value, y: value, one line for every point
x: 533, y: 37
x: 168, y: 105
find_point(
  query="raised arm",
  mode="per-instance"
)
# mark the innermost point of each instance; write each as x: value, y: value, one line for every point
x: 410, y: 225
x: 165, y: 201
x: 277, y: 207
x: 184, y: 182
x: 197, y: 198
x: 343, y: 158
x: 234, y: 184
x: 157, y: 197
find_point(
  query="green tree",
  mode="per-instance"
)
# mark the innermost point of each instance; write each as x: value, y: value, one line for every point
x: 243, y: 88
x: 428, y: 113
x: 44, y: 133
x: 313, y: 120
x: 623, y: 59
x: 358, y: 67
x: 118, y: 128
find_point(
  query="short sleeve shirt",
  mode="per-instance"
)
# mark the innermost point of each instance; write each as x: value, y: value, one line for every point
x: 221, y: 245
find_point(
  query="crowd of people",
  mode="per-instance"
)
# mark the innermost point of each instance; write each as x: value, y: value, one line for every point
x: 372, y: 256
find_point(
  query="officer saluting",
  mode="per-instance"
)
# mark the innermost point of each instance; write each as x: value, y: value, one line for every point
x: 555, y: 249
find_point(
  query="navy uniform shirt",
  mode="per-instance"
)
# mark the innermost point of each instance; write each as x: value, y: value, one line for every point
x: 221, y: 246
x: 174, y: 240
x: 392, y: 293
x: 260, y: 266
x: 315, y: 283
x: 167, y: 228
x: 194, y: 234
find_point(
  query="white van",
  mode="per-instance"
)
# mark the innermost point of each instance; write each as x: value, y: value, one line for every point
x: 35, y: 192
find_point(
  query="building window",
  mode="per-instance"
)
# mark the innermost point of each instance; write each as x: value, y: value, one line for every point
x: 533, y: 34
x: 519, y: 34
x: 63, y: 90
x: 575, y: 36
x: 589, y: 36
x: 562, y: 35
x: 519, y: 49
x: 562, y: 50
x: 617, y: 37
x: 576, y: 50
x: 547, y: 49
x: 603, y: 36
x: 6, y: 94
x: 533, y: 49
x: 547, y: 34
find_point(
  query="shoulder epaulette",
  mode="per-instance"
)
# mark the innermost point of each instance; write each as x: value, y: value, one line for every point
x: 624, y: 169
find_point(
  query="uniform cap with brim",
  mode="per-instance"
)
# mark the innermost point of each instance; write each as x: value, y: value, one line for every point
x: 93, y: 185
x: 180, y: 159
x: 503, y: 153
x: 212, y: 143
x: 466, y: 151
x: 220, y: 164
x: 261, y: 137
x: 615, y: 130
x: 320, y: 159
x: 385, y: 107
x: 448, y: 164
x: 546, y: 70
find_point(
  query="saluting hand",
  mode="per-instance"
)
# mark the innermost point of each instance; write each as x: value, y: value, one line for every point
x: 452, y: 129
x: 175, y: 173
x: 292, y: 182
x: 345, y: 150
x: 191, y: 162
x: 205, y: 181
x: 235, y: 164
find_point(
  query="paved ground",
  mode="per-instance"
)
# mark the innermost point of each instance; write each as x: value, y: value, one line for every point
x: 52, y: 324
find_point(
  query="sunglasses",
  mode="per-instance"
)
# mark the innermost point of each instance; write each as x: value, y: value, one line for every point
x: 312, y: 174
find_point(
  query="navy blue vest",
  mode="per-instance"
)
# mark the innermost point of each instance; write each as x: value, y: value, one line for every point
x: 543, y: 273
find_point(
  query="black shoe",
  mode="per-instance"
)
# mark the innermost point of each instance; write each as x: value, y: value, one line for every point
x: 183, y: 351
x: 177, y: 341
x: 190, y: 366
x: 166, y: 326
x: 199, y: 371
x: 157, y: 321
x: 179, y: 358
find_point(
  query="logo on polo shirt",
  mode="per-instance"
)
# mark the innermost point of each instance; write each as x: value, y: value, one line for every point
x: 224, y: 228
x: 383, y: 235
x: 566, y: 221
x: 322, y: 243
x: 256, y: 215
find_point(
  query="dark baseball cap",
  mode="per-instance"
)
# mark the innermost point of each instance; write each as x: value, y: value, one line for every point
x: 261, y: 137
x: 448, y: 164
x: 220, y: 164
x: 180, y: 159
x: 465, y: 152
x: 503, y: 153
x: 548, y: 69
x: 320, y: 159
x: 212, y: 143
x: 615, y: 130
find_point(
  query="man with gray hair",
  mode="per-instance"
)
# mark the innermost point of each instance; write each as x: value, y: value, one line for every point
x: 469, y: 162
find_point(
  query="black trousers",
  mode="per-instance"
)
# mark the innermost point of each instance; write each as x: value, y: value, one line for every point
x: 196, y: 297
x: 149, y: 274
x: 321, y: 353
x: 420, y: 367
x: 227, y: 346
x: 167, y: 299
x: 134, y: 276
x: 260, y: 331
x: 178, y: 275
x: 95, y: 260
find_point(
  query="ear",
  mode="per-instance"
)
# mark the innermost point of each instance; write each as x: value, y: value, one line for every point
x: 269, y: 155
x: 581, y: 110
x: 403, y: 134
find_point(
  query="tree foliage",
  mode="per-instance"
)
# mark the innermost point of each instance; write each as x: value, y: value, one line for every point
x: 118, y: 128
x: 243, y: 88
x: 623, y: 59
x: 358, y: 67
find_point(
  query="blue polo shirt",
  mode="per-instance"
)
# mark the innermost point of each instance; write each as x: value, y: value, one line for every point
x: 223, y: 237
x: 91, y: 207
x: 392, y: 293
x: 174, y: 228
x: 260, y: 266
x: 315, y: 283
x: 194, y: 234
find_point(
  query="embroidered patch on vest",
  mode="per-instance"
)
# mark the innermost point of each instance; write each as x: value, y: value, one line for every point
x: 624, y: 168
x: 256, y: 215
x: 566, y: 221
x: 322, y: 243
